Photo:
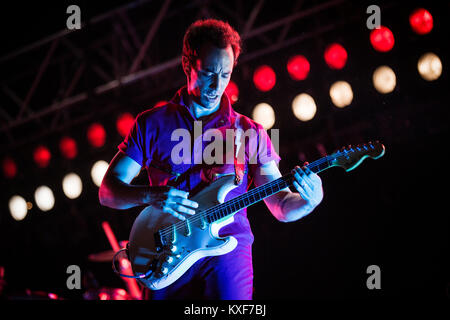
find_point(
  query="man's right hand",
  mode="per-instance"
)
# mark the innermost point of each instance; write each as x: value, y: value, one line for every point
x: 172, y: 201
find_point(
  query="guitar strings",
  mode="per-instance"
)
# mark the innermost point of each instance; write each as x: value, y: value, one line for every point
x: 222, y: 206
x: 216, y: 209
x: 203, y: 214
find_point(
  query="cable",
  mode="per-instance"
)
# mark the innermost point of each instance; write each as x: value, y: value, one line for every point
x: 145, y: 275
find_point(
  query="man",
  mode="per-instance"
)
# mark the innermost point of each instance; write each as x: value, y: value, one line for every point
x: 210, y: 52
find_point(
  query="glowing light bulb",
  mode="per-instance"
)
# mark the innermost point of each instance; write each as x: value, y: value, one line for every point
x: 341, y: 94
x: 263, y: 114
x: 304, y: 107
x: 384, y: 79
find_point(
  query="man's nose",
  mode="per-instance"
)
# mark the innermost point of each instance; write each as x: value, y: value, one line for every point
x: 214, y: 83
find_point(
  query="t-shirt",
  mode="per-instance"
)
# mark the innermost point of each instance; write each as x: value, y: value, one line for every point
x: 165, y: 140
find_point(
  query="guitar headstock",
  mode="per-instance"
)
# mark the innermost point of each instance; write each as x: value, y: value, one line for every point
x: 350, y: 157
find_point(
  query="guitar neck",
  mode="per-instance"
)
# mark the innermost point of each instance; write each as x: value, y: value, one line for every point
x: 257, y: 194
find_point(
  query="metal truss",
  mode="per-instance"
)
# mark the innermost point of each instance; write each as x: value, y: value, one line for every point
x: 132, y: 52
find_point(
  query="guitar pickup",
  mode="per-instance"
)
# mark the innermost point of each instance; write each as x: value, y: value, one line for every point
x: 203, y: 223
x: 159, y: 243
x: 187, y: 228
x: 164, y: 238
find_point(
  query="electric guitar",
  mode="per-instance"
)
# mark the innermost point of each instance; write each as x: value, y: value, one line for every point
x: 162, y: 248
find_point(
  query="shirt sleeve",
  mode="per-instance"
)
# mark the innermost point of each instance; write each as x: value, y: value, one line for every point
x: 262, y: 150
x: 133, y: 144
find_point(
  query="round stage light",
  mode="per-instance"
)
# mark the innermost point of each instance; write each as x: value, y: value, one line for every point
x: 335, y: 56
x: 421, y: 21
x: 382, y: 39
x: 9, y: 167
x: 124, y: 123
x: 232, y: 92
x: 264, y: 115
x: 96, y: 135
x: 42, y: 156
x: 68, y: 147
x: 304, y: 107
x: 18, y: 207
x: 264, y: 78
x: 72, y: 185
x: 298, y: 67
x: 98, y: 172
x: 430, y: 66
x: 384, y: 79
x: 44, y: 198
x: 341, y: 94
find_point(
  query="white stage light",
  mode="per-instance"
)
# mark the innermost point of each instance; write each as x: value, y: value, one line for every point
x: 341, y: 94
x: 44, y: 198
x: 430, y: 66
x: 72, y: 185
x: 304, y: 107
x: 18, y: 207
x: 98, y: 171
x: 384, y: 79
x: 263, y: 114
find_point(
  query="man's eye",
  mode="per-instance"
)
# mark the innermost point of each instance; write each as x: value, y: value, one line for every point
x: 226, y: 75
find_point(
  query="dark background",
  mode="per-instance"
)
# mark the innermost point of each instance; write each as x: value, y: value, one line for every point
x: 390, y: 212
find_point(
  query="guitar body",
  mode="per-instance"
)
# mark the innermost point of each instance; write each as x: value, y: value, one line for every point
x: 169, y: 261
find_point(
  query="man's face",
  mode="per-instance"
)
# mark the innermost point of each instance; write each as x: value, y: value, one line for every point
x: 209, y: 77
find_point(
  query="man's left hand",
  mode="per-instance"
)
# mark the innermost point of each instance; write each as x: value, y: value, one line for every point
x: 309, y: 185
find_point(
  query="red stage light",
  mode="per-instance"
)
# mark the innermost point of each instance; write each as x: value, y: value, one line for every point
x: 96, y: 135
x: 53, y: 296
x: 124, y: 123
x: 264, y: 78
x: 42, y: 156
x: 421, y: 21
x: 232, y: 92
x: 68, y: 147
x: 335, y: 56
x: 104, y: 296
x: 382, y: 39
x: 298, y: 67
x: 9, y: 168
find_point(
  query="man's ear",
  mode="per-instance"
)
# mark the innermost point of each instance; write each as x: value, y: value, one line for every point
x: 186, y: 66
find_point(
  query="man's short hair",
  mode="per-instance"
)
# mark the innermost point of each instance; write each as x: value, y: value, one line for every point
x: 210, y: 31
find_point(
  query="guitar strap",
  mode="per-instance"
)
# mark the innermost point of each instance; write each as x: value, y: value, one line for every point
x: 239, y: 154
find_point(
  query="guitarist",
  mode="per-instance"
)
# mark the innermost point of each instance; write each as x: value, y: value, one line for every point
x: 210, y: 52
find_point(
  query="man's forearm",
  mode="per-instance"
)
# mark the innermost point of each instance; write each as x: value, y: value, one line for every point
x: 116, y: 194
x: 293, y: 207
